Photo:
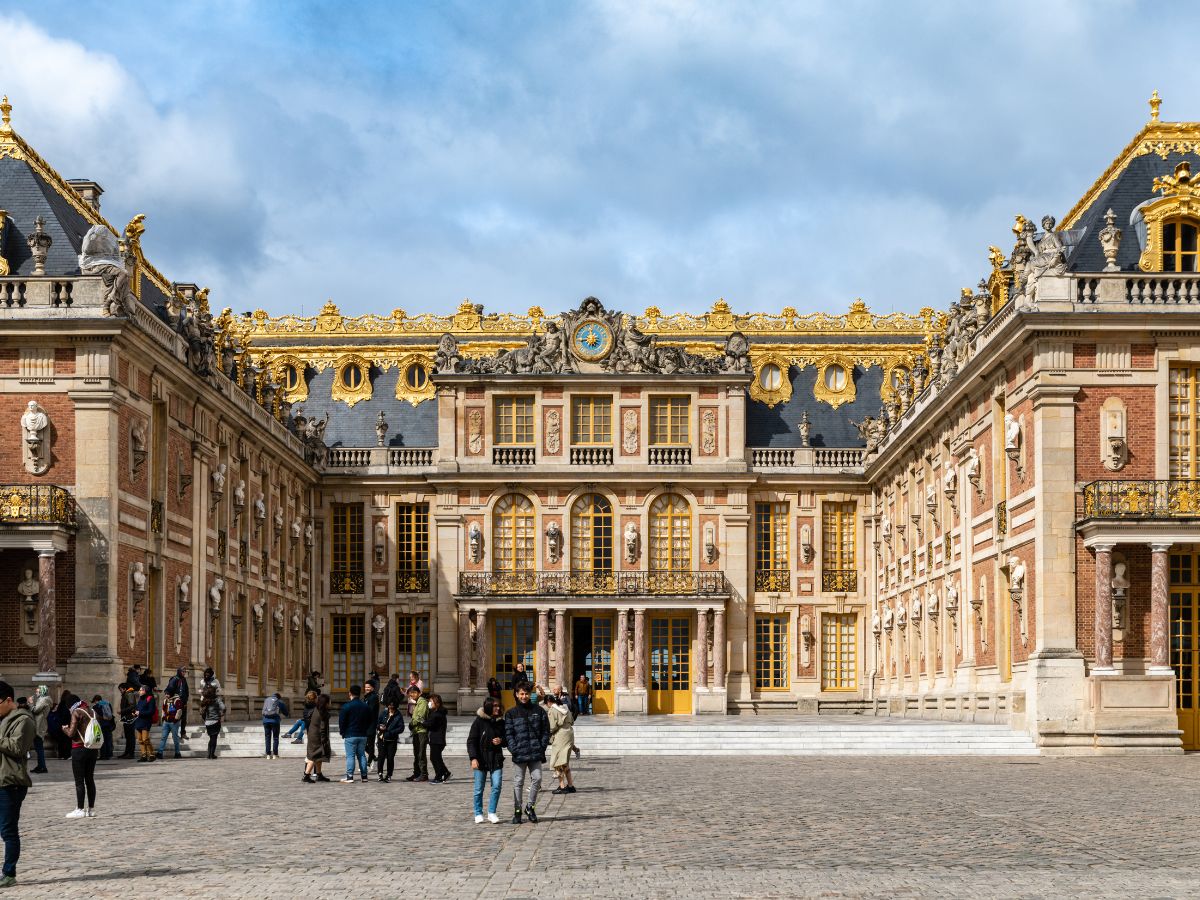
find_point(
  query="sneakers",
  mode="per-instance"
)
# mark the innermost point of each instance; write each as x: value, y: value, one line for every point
x: 76, y: 814
x: 321, y: 777
x: 308, y: 779
x: 8, y: 881
x: 516, y: 819
x: 422, y: 778
x: 364, y: 779
x: 531, y: 814
x: 411, y: 778
x: 560, y: 790
x: 349, y: 779
x: 479, y: 820
x: 571, y: 789
x: 178, y: 755
x: 438, y: 779
x: 493, y: 818
x: 298, y: 740
x: 91, y: 813
x: 40, y: 770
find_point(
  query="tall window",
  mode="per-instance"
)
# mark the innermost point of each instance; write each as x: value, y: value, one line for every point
x: 771, y: 547
x: 670, y: 534
x: 591, y: 420
x: 592, y: 534
x: 1185, y: 421
x: 839, y: 652
x: 412, y: 547
x: 347, y: 651
x: 513, y: 535
x: 838, y: 565
x: 514, y: 420
x: 346, y: 571
x: 1179, y: 245
x: 771, y: 653
x: 412, y: 646
x: 669, y: 420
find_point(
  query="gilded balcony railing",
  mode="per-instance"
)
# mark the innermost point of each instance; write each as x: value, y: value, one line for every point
x: 36, y: 504
x: 839, y: 581
x: 539, y: 583
x: 1166, y: 499
x: 412, y: 581
x: 772, y: 579
x: 346, y: 581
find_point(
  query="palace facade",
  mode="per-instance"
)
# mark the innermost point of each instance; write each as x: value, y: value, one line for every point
x: 989, y: 512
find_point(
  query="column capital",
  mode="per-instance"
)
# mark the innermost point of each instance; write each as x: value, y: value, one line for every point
x: 1160, y: 546
x: 1101, y: 546
x: 47, y: 551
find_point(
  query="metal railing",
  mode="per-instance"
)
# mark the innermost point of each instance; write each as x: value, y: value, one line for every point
x: 1166, y: 499
x: 538, y: 583
x: 840, y: 581
x: 345, y: 581
x: 772, y: 579
x: 412, y: 581
x: 591, y: 456
x: 670, y: 456
x: 36, y: 504
x: 512, y: 456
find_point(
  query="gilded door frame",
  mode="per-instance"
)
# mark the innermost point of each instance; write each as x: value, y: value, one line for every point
x: 672, y: 701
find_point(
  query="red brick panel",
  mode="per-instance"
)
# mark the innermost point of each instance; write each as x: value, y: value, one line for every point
x: 61, y: 412
x: 1140, y: 415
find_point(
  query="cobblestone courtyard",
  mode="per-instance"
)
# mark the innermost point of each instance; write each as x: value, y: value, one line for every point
x: 639, y: 827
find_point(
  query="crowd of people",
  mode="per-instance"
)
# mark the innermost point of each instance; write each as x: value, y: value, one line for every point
x: 371, y: 724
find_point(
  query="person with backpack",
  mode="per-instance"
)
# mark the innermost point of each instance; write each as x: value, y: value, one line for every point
x: 147, y: 714
x: 212, y: 711
x: 40, y: 705
x: 273, y: 711
x: 485, y: 748
x: 391, y: 726
x: 301, y: 724
x: 420, y: 733
x: 435, y: 721
x: 527, y: 731
x: 17, y: 731
x: 108, y: 723
x: 178, y: 685
x: 128, y: 714
x: 84, y: 733
x: 172, y: 712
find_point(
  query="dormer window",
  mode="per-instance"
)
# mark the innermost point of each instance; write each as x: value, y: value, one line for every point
x: 1179, y: 245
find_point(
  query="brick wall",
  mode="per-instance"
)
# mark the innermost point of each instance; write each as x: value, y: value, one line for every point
x: 1140, y: 413
x: 61, y: 412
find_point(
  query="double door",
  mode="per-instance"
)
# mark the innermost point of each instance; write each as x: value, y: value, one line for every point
x: 669, y: 681
x: 1185, y: 660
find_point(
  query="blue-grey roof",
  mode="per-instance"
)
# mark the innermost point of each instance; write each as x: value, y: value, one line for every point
x: 25, y: 195
x: 777, y: 426
x: 408, y: 425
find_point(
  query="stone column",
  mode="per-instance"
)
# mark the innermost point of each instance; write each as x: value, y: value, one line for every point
x: 464, y: 651
x: 541, y: 667
x: 560, y: 650
x: 621, y: 650
x: 719, y: 648
x: 47, y: 633
x: 483, y: 667
x: 639, y: 649
x: 702, y: 648
x: 1160, y: 609
x: 1104, y: 648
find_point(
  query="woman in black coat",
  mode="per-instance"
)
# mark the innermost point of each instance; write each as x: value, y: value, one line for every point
x: 485, y: 747
x: 318, y: 751
x: 435, y: 724
x: 391, y: 726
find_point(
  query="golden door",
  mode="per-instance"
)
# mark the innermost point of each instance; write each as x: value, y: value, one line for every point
x: 600, y: 663
x: 670, y: 681
x: 514, y: 639
x: 1185, y: 662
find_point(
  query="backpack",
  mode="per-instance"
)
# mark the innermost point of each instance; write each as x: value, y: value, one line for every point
x: 104, y: 708
x: 270, y: 707
x: 172, y: 714
x: 93, y: 735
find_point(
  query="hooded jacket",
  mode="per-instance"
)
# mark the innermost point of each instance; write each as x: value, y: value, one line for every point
x: 479, y: 742
x: 528, y: 732
x: 41, y: 714
x: 17, y: 731
x: 435, y: 723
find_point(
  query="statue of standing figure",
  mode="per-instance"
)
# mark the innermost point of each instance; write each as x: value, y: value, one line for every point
x: 101, y: 256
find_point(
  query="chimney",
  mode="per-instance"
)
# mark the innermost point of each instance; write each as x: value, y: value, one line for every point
x: 88, y: 190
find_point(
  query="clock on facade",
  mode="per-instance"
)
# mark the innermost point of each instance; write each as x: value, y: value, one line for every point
x: 592, y: 340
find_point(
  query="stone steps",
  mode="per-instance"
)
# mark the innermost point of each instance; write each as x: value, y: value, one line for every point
x: 876, y: 737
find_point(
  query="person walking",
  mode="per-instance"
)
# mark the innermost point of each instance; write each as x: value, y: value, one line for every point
x: 301, y: 724
x: 128, y: 713
x: 169, y: 720
x: 391, y: 726
x: 435, y: 722
x: 371, y: 699
x: 273, y: 710
x: 562, y: 741
x: 318, y: 751
x: 147, y: 712
x: 108, y: 723
x: 527, y: 733
x: 40, y: 705
x: 583, y: 696
x: 178, y: 685
x: 212, y: 711
x: 484, y: 746
x: 83, y: 759
x: 420, y: 733
x: 354, y: 723
x: 17, y: 731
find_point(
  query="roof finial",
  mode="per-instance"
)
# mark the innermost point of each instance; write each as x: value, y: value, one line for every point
x: 5, y: 114
x: 1155, y: 103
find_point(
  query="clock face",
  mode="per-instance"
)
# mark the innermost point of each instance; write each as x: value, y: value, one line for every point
x: 592, y: 340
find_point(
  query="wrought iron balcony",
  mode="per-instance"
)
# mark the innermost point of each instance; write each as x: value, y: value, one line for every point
x: 1168, y: 499
x: 569, y: 584
x: 346, y: 581
x: 36, y: 504
x: 772, y: 579
x: 412, y: 581
x: 839, y: 581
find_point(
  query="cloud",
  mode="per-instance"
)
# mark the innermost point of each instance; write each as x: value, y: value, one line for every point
x: 652, y: 153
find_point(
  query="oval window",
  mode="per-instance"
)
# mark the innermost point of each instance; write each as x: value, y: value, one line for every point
x: 415, y: 376
x: 291, y: 377
x: 835, y: 378
x: 352, y: 376
x: 770, y: 377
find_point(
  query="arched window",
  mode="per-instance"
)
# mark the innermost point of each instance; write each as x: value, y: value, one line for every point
x: 670, y: 534
x: 514, y: 544
x: 592, y: 534
x: 1179, y: 245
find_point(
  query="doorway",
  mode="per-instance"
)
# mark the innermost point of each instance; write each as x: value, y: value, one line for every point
x: 1185, y: 638
x: 670, y: 681
x: 592, y: 655
x: 513, y: 641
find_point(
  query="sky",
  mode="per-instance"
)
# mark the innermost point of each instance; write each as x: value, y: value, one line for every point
x: 648, y: 152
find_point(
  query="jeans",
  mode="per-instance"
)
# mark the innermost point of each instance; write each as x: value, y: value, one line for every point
x: 169, y: 729
x: 129, y: 739
x: 83, y: 767
x: 106, y: 749
x: 11, y: 799
x: 40, y: 746
x: 271, y: 733
x: 387, y: 758
x: 213, y: 731
x: 300, y: 725
x: 356, y: 749
x: 420, y: 764
x: 535, y: 782
x: 497, y: 778
x: 585, y: 704
x: 145, y: 748
x: 439, y: 767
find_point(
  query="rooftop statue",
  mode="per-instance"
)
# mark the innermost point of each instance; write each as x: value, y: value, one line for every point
x: 101, y: 256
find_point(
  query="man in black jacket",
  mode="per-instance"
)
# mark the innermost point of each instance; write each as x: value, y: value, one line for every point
x: 392, y: 693
x: 527, y: 733
x: 178, y: 686
x: 371, y: 698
